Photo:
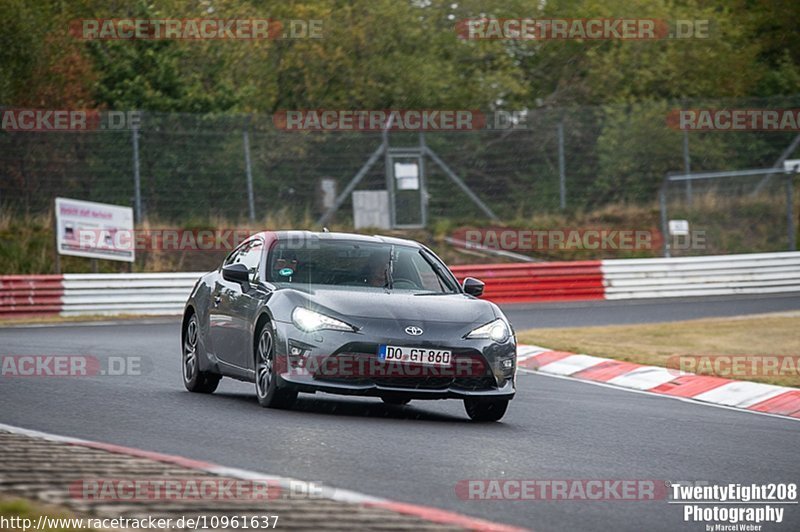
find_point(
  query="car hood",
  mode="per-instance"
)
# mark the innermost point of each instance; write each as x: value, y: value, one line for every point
x: 396, y: 305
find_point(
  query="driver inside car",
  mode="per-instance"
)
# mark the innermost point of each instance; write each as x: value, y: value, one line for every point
x: 376, y: 273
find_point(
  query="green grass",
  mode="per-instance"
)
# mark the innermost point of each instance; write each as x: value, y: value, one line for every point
x: 662, y: 344
x: 732, y: 225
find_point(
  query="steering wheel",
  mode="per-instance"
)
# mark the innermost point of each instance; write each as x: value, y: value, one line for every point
x: 407, y: 282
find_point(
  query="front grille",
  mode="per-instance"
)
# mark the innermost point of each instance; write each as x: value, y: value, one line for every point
x: 484, y: 382
x: 422, y: 383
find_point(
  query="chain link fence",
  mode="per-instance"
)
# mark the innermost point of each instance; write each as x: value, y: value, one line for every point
x: 179, y: 168
x: 731, y: 212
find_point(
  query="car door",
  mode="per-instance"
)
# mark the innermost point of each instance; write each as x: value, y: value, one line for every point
x: 233, y: 311
x: 221, y: 332
x: 244, y: 304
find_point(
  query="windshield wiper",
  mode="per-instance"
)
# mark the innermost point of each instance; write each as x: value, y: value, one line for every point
x: 433, y: 294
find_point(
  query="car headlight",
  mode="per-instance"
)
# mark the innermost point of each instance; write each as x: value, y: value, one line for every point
x: 496, y: 330
x: 310, y: 321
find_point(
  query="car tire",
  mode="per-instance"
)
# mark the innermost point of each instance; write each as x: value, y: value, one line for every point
x: 193, y: 379
x: 268, y: 393
x: 485, y: 410
x: 396, y: 401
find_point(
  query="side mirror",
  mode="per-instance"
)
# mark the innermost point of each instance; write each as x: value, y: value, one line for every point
x: 473, y: 287
x: 236, y: 273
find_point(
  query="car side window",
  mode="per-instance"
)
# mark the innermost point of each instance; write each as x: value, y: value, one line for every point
x: 250, y: 256
x: 232, y: 257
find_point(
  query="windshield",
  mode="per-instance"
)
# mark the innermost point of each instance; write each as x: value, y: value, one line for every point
x: 357, y: 264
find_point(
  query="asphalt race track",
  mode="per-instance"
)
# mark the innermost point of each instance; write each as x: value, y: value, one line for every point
x: 555, y: 428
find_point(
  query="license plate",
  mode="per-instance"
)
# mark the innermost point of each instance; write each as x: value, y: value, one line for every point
x: 415, y: 355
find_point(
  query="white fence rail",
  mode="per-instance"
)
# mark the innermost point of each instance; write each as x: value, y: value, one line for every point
x: 166, y: 293
x: 758, y: 273
x: 127, y: 293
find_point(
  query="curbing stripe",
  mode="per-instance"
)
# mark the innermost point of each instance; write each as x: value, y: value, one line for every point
x: 525, y: 352
x: 779, y: 401
x: 787, y: 404
x: 426, y: 513
x: 742, y: 394
x: 644, y: 378
x: 689, y: 385
x: 542, y: 358
x: 571, y: 364
x: 605, y: 371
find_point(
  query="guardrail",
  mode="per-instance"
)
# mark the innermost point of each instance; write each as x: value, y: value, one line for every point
x: 127, y: 293
x: 545, y: 281
x: 80, y: 294
x: 24, y: 295
x: 166, y: 293
x: 757, y: 273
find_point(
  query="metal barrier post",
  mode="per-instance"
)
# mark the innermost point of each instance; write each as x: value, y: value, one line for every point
x: 562, y: 179
x: 790, y: 212
x: 137, y: 180
x: 251, y: 206
x: 662, y: 202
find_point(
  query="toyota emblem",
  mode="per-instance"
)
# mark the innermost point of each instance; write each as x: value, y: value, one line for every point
x: 413, y: 331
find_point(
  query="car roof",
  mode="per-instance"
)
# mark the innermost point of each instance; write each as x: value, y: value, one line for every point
x: 287, y: 235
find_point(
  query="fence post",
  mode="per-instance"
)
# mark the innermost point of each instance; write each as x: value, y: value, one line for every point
x: 251, y: 206
x: 137, y: 180
x: 562, y: 180
x: 790, y: 212
x: 687, y: 166
x: 57, y: 261
x: 662, y: 202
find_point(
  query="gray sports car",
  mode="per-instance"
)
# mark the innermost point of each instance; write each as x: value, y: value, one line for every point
x: 297, y: 311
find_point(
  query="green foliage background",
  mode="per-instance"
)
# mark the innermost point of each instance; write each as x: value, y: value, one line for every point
x: 390, y: 54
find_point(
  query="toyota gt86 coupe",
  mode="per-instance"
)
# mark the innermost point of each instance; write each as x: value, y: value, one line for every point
x: 297, y: 311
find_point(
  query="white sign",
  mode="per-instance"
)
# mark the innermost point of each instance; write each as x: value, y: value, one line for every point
x: 679, y: 227
x: 94, y: 230
x: 371, y: 209
x: 407, y: 175
x: 792, y: 165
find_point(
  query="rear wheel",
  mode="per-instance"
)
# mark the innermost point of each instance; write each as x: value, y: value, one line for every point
x: 485, y: 410
x: 267, y: 391
x: 193, y: 379
x: 397, y: 401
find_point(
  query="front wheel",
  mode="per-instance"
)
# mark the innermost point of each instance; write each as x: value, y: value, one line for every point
x: 267, y: 391
x: 193, y: 379
x: 485, y: 410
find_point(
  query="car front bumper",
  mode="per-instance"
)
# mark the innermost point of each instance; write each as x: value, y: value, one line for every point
x: 481, y: 368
